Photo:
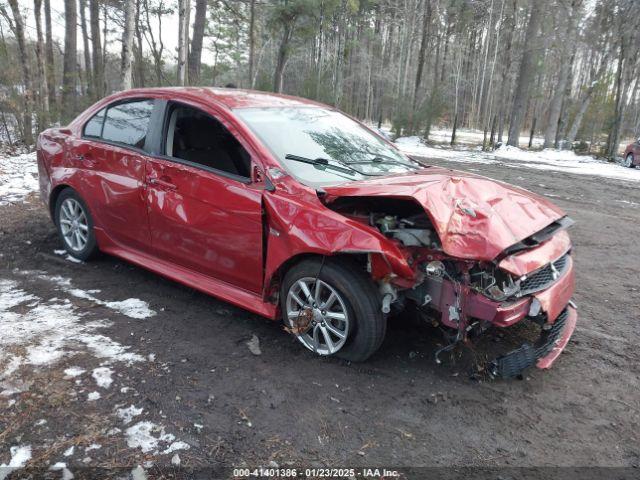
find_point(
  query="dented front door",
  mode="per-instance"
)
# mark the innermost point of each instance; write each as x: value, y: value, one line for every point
x: 206, y: 222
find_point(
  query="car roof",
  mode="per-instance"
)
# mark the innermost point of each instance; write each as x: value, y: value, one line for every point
x: 233, y: 97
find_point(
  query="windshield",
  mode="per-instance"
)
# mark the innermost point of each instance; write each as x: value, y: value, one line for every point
x: 334, y: 148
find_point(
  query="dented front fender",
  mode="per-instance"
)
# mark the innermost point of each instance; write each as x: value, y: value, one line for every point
x: 299, y: 224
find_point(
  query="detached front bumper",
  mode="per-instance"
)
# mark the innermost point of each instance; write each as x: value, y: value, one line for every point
x: 543, y: 352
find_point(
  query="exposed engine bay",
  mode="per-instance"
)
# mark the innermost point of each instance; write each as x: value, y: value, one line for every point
x: 464, y: 295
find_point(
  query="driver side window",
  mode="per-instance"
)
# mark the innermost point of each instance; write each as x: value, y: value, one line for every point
x: 198, y: 138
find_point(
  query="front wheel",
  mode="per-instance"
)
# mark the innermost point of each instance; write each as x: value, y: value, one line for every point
x: 75, y: 225
x: 333, y: 309
x: 628, y: 162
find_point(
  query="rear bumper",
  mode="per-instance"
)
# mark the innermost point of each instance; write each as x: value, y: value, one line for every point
x: 543, y: 353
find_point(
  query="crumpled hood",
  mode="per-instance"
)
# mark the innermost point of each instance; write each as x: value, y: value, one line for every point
x: 475, y: 217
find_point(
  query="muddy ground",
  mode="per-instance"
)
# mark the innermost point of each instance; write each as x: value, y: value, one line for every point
x: 203, y: 384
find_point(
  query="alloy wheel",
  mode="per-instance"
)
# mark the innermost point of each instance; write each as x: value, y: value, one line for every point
x: 317, y: 314
x: 74, y: 224
x: 628, y: 161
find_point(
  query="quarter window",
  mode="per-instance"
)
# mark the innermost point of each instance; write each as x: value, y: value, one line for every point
x: 127, y: 123
x: 93, y: 127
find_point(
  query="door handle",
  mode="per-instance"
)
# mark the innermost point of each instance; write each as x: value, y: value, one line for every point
x: 163, y: 182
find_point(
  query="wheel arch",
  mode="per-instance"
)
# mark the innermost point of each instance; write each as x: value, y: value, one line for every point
x: 53, y: 198
x: 272, y: 285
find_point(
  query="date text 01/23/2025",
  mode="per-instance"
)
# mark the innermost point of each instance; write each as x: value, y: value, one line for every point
x: 314, y: 473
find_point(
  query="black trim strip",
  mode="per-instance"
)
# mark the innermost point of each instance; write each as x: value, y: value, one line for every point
x: 199, y: 166
x: 537, y: 238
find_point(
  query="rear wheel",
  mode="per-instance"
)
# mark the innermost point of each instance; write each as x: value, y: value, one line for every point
x: 75, y: 225
x: 333, y: 309
x: 628, y: 162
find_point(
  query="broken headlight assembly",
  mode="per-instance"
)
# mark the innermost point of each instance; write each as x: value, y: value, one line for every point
x: 411, y: 231
x: 493, y: 283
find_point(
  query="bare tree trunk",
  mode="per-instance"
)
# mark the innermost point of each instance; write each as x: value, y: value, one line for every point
x: 252, y: 39
x: 563, y: 75
x: 127, y: 43
x: 612, y: 142
x: 51, y: 66
x: 105, y: 32
x: 96, y: 48
x: 157, y: 47
x: 457, y: 89
x: 43, y: 115
x: 426, y: 22
x: 532, y: 132
x: 527, y: 68
x: 70, y: 70
x: 183, y: 40
x: 506, y: 80
x: 139, y: 53
x: 488, y: 109
x: 282, y: 56
x: 85, y: 46
x: 481, y: 94
x: 195, y: 54
x: 18, y: 30
x: 577, y: 120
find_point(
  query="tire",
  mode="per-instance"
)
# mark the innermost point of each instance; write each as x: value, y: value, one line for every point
x: 629, y: 161
x: 356, y: 296
x: 69, y: 206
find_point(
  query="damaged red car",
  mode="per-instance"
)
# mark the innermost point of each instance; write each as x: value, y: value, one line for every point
x: 295, y: 211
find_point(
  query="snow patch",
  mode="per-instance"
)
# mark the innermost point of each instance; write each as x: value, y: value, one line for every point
x: 47, y: 332
x: 73, y: 372
x: 93, y: 396
x: 71, y: 259
x: 416, y: 147
x: 66, y: 473
x: 127, y: 414
x: 20, y: 455
x: 179, y: 445
x: 131, y: 307
x: 567, y: 161
x: 147, y: 436
x: 139, y: 473
x: 548, y: 159
x: 18, y: 178
x: 102, y: 376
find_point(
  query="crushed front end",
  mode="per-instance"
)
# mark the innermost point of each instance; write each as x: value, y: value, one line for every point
x: 531, y: 281
x: 473, y: 296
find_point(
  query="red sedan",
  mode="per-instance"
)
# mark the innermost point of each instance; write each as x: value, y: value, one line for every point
x: 632, y: 154
x: 293, y: 210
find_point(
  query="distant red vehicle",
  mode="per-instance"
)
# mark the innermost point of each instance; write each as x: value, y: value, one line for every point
x: 632, y: 154
x: 293, y: 210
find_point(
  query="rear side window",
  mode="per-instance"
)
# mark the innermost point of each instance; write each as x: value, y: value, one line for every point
x: 128, y: 123
x: 93, y: 127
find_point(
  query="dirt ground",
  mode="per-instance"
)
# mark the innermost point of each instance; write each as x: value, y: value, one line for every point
x: 205, y: 386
